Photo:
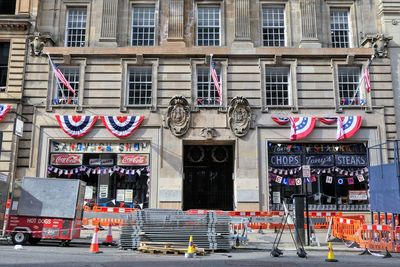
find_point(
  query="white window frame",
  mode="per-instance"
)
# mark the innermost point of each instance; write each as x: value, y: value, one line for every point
x: 286, y: 11
x: 52, y: 84
x: 4, y: 88
x: 280, y: 6
x: 361, y: 64
x: 341, y: 4
x: 144, y: 5
x: 223, y: 67
x: 126, y: 64
x: 292, y: 88
x: 68, y: 9
x: 220, y: 5
x: 64, y: 6
x: 342, y: 44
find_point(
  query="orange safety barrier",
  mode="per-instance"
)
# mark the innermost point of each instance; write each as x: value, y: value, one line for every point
x: 376, y: 237
x: 345, y: 229
x: 113, y: 209
x: 389, y: 218
x: 397, y: 239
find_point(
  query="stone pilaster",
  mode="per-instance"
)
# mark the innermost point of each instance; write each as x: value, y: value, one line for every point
x: 242, y: 25
x: 308, y: 9
x: 109, y: 22
x: 175, y: 21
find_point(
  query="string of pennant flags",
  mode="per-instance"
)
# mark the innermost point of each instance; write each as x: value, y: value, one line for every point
x: 337, y: 170
x: 98, y: 170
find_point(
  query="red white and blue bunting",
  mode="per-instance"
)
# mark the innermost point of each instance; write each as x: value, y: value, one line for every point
x: 328, y: 120
x: 347, y: 126
x: 76, y: 126
x: 281, y: 120
x: 301, y: 127
x: 99, y: 170
x: 4, y: 109
x: 122, y: 126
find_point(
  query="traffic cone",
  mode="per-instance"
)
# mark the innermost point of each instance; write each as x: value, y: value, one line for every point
x: 94, y: 246
x: 109, y: 238
x: 331, y: 257
x: 191, y: 252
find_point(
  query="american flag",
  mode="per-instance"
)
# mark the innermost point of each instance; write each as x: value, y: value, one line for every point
x: 60, y: 77
x: 367, y: 80
x: 214, y: 76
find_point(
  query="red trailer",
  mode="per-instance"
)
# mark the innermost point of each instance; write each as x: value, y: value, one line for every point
x: 47, y: 209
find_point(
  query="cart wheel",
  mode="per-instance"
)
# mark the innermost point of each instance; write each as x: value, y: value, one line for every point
x: 34, y: 240
x: 19, y: 238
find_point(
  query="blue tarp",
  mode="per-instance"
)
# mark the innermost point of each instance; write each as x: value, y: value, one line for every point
x: 384, y: 188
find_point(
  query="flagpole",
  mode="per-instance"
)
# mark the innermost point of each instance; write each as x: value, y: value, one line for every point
x: 209, y: 80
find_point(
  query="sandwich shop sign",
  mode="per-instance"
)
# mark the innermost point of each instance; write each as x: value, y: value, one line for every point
x: 99, y: 147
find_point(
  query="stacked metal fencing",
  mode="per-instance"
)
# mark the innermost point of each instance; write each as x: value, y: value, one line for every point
x: 210, y: 231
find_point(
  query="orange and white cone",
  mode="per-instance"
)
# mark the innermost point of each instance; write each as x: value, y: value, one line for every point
x: 109, y: 237
x: 94, y: 246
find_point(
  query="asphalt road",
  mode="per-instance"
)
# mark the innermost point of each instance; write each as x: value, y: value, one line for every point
x: 50, y: 254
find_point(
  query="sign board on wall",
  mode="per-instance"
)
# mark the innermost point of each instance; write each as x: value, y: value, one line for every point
x: 285, y: 160
x: 18, y: 127
x: 351, y: 160
x: 276, y: 197
x: 133, y: 159
x: 306, y: 171
x: 103, y: 191
x: 66, y: 159
x: 99, y: 147
x: 89, y: 192
x: 358, y: 195
x: 129, y: 195
x: 120, y: 195
x: 101, y: 162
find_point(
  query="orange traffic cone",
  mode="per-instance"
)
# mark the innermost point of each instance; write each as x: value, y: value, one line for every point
x: 94, y: 246
x: 109, y: 237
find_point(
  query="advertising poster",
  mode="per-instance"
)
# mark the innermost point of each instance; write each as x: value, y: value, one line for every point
x: 129, y: 195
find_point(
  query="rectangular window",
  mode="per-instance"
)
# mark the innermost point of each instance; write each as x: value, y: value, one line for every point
x: 277, y: 86
x: 143, y: 25
x: 207, y: 94
x: 7, y: 7
x: 140, y: 86
x: 208, y: 26
x: 4, y: 53
x: 349, y: 89
x: 63, y: 95
x: 340, y: 30
x: 75, y: 33
x: 273, y: 26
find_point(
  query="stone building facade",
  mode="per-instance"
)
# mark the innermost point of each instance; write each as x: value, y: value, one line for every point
x: 17, y: 20
x: 208, y: 77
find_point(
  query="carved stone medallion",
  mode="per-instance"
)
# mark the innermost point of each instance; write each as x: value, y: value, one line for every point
x: 178, y: 115
x: 239, y: 116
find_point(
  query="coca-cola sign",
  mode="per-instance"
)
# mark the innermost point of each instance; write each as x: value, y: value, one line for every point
x: 133, y: 159
x: 66, y: 159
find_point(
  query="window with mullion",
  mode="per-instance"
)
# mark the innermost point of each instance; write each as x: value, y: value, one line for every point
x: 349, y: 90
x: 208, y: 26
x: 4, y: 54
x: 340, y: 29
x: 273, y: 25
x: 76, y: 27
x: 143, y: 25
x: 277, y: 86
x: 140, y: 86
x: 63, y: 95
x: 207, y: 94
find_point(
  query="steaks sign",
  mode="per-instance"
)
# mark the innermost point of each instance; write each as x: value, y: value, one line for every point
x: 133, y: 159
x: 66, y: 159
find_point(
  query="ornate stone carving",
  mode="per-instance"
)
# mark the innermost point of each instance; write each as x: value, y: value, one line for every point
x: 239, y: 116
x: 208, y: 133
x: 379, y: 42
x: 37, y: 43
x: 178, y: 116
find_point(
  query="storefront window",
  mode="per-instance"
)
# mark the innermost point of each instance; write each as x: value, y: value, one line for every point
x: 338, y: 177
x: 116, y: 174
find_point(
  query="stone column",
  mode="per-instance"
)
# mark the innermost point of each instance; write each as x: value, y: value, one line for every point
x: 109, y: 22
x: 308, y: 9
x: 175, y: 22
x: 242, y: 25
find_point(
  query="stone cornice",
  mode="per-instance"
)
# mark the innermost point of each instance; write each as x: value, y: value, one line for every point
x: 389, y: 6
x: 203, y: 51
x: 14, y: 24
